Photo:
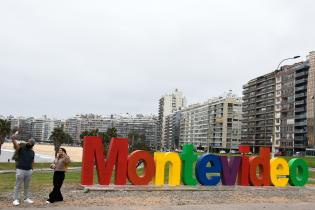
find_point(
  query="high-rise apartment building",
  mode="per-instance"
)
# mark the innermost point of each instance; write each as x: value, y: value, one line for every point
x: 215, y: 123
x: 258, y: 111
x: 80, y: 123
x: 278, y: 108
x: 172, y: 129
x: 310, y: 101
x: 71, y: 127
x: 146, y: 125
x: 167, y: 105
x: 143, y: 125
x: 24, y: 125
x: 43, y: 127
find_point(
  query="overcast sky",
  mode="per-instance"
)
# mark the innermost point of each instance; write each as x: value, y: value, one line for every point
x: 63, y: 57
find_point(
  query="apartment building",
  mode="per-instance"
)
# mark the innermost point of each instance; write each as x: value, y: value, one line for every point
x: 215, y: 123
x: 168, y: 104
x: 43, y: 127
x: 144, y: 125
x: 24, y: 125
x: 258, y: 111
x: 172, y: 129
x: 278, y: 108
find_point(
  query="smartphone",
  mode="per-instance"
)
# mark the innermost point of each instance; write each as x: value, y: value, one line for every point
x: 16, y: 133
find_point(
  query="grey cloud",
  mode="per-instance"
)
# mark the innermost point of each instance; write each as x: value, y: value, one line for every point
x: 66, y: 57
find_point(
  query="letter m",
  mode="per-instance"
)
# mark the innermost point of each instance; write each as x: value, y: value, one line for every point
x: 117, y: 155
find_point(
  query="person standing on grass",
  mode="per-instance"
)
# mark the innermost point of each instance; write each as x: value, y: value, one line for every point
x: 24, y: 157
x: 60, y: 166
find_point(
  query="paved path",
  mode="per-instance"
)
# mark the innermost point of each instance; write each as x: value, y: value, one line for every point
x: 251, y: 206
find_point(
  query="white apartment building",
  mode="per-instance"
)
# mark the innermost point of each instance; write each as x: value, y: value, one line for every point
x: 167, y: 105
x: 146, y: 125
x: 124, y: 124
x: 215, y: 123
x: 43, y: 127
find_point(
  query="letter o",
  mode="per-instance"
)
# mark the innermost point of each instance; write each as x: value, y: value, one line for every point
x: 148, y: 167
x: 299, y: 177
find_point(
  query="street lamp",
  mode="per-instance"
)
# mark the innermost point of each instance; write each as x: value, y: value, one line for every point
x: 295, y: 57
x: 273, y: 136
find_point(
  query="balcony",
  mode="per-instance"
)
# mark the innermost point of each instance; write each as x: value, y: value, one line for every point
x: 300, y: 95
x: 299, y: 146
x: 302, y: 131
x: 300, y: 102
x: 300, y: 116
x: 303, y: 73
x: 300, y: 88
x: 302, y: 109
x: 299, y: 81
x: 300, y: 123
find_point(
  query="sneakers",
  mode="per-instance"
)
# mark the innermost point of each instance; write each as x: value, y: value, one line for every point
x: 28, y: 201
x: 16, y: 203
x: 47, y: 202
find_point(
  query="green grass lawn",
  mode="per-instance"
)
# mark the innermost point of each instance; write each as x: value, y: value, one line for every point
x: 310, y: 161
x: 9, y: 166
x: 39, y: 180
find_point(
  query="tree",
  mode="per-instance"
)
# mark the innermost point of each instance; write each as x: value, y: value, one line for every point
x: 136, y: 141
x: 112, y: 132
x: 59, y: 137
x: 5, y: 129
x: 88, y: 133
x: 105, y: 136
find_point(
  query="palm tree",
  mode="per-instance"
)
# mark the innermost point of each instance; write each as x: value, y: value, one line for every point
x: 106, y: 136
x: 58, y: 137
x: 5, y: 129
x: 136, y: 141
x: 112, y: 132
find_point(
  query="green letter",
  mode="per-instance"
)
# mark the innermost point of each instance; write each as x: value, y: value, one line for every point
x: 298, y: 172
x: 188, y: 157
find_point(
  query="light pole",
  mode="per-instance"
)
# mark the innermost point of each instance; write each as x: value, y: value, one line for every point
x: 292, y: 58
x: 273, y: 136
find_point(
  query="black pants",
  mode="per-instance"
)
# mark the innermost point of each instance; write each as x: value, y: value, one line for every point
x: 56, y: 195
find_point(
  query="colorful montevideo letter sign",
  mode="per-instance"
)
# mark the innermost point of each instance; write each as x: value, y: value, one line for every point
x: 187, y: 167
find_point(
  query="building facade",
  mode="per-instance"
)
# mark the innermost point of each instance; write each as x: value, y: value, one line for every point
x: 258, y: 111
x: 215, y: 124
x: 167, y: 105
x: 140, y: 124
x: 278, y: 108
x: 145, y: 125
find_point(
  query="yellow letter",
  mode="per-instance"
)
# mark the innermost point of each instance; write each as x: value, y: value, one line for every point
x: 279, y: 167
x: 161, y: 159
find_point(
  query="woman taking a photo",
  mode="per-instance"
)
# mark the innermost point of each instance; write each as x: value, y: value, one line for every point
x: 60, y: 166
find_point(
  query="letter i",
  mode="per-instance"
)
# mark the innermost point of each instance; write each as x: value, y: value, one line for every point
x: 243, y: 173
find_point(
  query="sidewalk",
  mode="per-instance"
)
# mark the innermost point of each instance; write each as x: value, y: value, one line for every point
x: 237, y: 206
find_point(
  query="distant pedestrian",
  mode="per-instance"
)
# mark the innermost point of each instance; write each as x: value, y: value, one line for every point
x: 60, y: 167
x: 24, y: 158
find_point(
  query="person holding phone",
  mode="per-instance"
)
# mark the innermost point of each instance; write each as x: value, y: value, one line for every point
x: 24, y: 168
x: 60, y: 166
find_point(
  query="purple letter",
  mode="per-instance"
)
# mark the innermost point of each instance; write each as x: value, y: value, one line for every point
x: 229, y: 170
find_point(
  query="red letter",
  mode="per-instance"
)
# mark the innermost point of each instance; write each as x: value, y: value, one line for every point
x: 148, y: 167
x: 262, y: 161
x: 117, y: 155
x: 92, y: 148
x: 243, y: 173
